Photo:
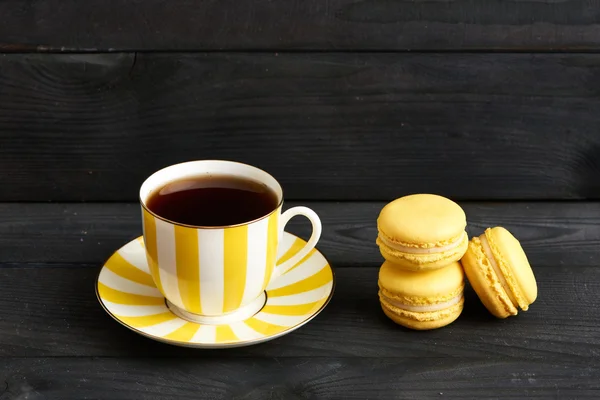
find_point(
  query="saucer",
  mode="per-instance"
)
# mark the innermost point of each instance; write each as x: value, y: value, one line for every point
x: 127, y: 292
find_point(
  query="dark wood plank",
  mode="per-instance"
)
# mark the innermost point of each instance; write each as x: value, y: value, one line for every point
x: 297, y: 378
x: 553, y: 234
x: 329, y: 126
x: 52, y: 311
x: 299, y: 24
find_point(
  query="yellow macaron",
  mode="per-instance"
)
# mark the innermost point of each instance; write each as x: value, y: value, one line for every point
x: 421, y: 300
x: 422, y: 231
x: 499, y: 272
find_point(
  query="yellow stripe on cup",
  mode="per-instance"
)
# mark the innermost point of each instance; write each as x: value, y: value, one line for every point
x: 272, y: 242
x: 188, y: 267
x: 151, y: 248
x: 235, y: 259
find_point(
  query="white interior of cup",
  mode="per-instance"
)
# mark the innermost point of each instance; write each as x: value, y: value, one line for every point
x: 206, y: 168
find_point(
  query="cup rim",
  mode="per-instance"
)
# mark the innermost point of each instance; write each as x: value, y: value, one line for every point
x: 143, y: 203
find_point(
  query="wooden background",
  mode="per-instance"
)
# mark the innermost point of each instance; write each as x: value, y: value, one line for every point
x: 350, y: 104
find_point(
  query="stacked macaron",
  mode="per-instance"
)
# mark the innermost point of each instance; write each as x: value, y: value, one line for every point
x: 422, y: 238
x: 421, y: 300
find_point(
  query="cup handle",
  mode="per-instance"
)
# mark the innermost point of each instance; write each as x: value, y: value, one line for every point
x: 312, y: 242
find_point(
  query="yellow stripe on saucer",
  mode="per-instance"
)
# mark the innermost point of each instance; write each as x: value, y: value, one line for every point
x: 225, y: 334
x: 188, y: 267
x: 312, y: 282
x: 296, y: 309
x: 148, y: 320
x: 151, y: 248
x: 272, y: 242
x: 124, y: 269
x: 235, y: 259
x: 263, y: 327
x: 292, y: 251
x: 116, y: 296
x: 185, y: 333
x: 303, y: 260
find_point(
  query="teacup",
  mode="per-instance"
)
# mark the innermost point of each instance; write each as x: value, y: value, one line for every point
x: 211, y: 274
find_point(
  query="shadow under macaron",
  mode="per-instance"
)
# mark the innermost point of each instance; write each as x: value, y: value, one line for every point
x: 474, y: 310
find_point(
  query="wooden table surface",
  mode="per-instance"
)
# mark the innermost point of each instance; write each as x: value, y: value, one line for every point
x: 57, y: 342
x: 350, y: 104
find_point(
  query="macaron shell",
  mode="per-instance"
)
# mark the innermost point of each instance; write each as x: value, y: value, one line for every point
x: 422, y: 220
x: 424, y: 321
x: 483, y: 280
x: 423, y: 262
x: 420, y: 288
x: 511, y: 259
x: 401, y: 287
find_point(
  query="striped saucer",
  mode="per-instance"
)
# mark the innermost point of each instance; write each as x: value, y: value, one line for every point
x: 128, y: 294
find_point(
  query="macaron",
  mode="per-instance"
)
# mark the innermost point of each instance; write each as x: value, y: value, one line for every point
x: 499, y: 272
x: 421, y: 300
x: 422, y: 232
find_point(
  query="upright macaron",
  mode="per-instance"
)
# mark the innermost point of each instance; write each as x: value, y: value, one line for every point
x: 421, y: 300
x: 422, y: 232
x: 499, y: 272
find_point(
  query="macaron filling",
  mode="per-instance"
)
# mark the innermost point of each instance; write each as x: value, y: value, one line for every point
x: 414, y: 250
x: 490, y: 256
x: 426, y: 308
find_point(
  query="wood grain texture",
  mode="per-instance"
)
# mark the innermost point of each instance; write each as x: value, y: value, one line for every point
x: 298, y: 378
x: 346, y: 126
x: 51, y: 310
x: 313, y: 24
x: 553, y: 234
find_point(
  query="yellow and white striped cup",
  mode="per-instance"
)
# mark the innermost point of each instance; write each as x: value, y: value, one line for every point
x: 217, y: 274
